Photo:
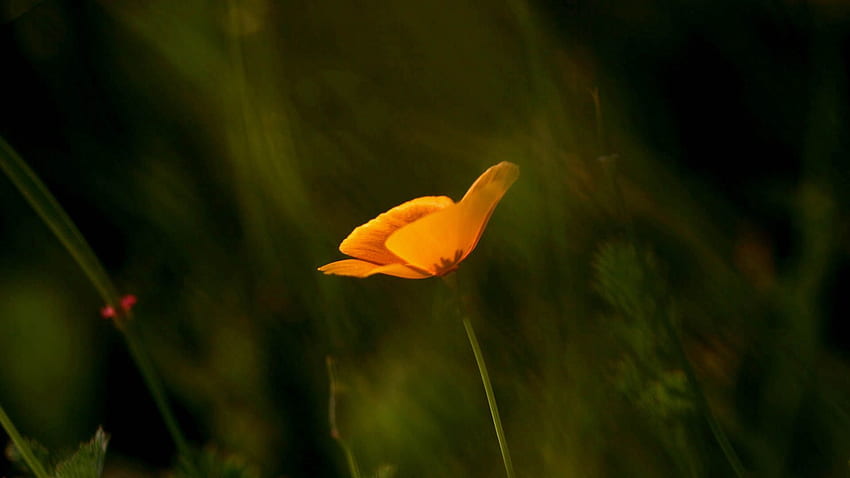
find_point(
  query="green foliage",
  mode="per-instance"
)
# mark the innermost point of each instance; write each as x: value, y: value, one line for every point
x: 86, y: 462
x: 627, y: 280
x: 211, y: 463
x: 647, y: 373
x: 631, y: 284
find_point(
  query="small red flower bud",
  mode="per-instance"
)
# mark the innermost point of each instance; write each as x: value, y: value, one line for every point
x: 128, y: 301
x: 107, y: 312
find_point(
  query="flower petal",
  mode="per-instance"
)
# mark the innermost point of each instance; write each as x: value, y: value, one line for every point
x: 367, y: 242
x: 358, y: 268
x: 438, y: 241
x: 484, y: 195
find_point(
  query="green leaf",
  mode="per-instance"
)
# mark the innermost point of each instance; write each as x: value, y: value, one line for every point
x: 87, y: 462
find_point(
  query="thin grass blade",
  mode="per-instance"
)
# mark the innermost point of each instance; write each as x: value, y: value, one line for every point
x: 57, y: 220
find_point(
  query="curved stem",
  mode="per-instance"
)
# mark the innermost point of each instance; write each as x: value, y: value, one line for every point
x: 146, y: 368
x: 491, y: 397
x: 22, y: 446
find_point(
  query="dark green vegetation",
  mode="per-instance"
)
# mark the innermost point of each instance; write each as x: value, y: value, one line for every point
x: 663, y: 292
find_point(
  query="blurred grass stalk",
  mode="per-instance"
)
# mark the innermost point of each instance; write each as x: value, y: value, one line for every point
x: 39, y: 197
x: 353, y: 468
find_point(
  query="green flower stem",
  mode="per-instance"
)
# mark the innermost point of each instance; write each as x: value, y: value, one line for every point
x: 491, y: 397
x: 452, y: 282
x: 39, y: 197
x: 22, y: 446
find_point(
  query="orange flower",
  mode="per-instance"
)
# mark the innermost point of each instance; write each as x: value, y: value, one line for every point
x: 427, y: 236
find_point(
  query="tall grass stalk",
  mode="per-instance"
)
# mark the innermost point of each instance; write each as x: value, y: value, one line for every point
x: 36, y: 193
x: 39, y: 197
x: 22, y: 446
x: 451, y: 281
x: 335, y: 434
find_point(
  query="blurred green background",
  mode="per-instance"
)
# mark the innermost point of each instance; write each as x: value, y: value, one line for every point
x: 675, y: 249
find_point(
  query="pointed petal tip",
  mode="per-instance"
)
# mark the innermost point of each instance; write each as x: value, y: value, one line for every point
x: 506, y: 170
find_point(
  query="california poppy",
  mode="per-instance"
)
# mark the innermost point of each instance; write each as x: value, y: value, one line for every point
x: 427, y: 236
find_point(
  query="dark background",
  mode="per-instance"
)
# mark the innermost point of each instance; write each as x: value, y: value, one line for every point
x: 214, y: 154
